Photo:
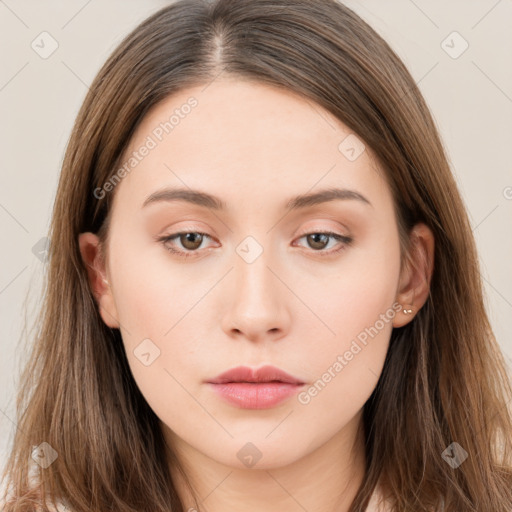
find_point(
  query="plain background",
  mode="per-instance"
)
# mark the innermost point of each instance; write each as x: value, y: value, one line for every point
x: 470, y: 97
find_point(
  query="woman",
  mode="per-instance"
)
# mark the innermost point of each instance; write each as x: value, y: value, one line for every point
x: 263, y: 289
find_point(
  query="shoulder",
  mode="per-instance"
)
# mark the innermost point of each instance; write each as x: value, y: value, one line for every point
x: 377, y: 502
x: 9, y: 500
x: 58, y: 507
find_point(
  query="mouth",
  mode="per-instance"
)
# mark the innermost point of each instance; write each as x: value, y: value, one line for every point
x: 265, y: 374
x: 255, y: 389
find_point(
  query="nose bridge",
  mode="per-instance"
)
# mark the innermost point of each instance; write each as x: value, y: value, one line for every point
x: 257, y: 305
x: 254, y: 281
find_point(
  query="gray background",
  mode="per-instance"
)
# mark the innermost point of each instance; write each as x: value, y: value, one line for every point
x: 470, y: 97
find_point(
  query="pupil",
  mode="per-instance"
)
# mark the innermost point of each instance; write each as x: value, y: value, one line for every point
x: 190, y: 239
x: 315, y: 238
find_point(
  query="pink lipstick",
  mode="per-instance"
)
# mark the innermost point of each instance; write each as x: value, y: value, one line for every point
x: 263, y: 388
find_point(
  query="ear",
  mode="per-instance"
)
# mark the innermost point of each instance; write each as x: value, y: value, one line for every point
x: 414, y: 284
x: 92, y: 256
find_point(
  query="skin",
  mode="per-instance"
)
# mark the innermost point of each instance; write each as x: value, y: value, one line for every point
x: 254, y: 147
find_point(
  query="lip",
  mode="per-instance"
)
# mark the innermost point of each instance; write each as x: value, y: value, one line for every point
x: 264, y: 374
x: 262, y: 388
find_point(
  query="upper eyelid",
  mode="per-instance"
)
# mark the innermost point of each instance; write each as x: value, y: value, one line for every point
x: 192, y: 229
x: 300, y: 235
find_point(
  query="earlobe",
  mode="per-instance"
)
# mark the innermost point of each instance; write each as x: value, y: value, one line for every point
x: 414, y: 285
x: 90, y: 251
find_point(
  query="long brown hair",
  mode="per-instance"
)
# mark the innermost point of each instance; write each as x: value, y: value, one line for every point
x: 444, y: 380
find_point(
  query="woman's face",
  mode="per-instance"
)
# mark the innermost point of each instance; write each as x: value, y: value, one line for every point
x: 262, y: 286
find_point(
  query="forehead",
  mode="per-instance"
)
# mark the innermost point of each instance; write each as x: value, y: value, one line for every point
x: 234, y: 137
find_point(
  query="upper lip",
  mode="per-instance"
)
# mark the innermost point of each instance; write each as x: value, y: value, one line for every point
x: 263, y: 374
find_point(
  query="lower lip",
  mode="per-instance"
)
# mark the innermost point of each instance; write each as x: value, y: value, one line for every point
x: 263, y: 395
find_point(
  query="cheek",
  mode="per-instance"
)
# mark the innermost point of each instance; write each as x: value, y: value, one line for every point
x: 158, y: 305
x: 345, y: 372
x: 357, y: 325
x: 154, y: 323
x: 358, y: 292
x: 153, y: 294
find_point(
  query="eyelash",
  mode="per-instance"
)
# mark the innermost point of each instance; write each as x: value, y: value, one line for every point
x: 346, y: 241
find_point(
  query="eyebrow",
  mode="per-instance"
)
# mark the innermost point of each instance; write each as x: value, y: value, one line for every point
x: 206, y: 200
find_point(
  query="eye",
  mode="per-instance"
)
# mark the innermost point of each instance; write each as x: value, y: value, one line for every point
x: 318, y: 240
x: 191, y: 241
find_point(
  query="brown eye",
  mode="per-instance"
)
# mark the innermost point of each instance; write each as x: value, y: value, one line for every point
x: 318, y: 240
x: 184, y: 243
x: 191, y: 241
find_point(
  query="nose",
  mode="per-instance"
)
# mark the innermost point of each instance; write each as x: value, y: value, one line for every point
x: 257, y: 308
